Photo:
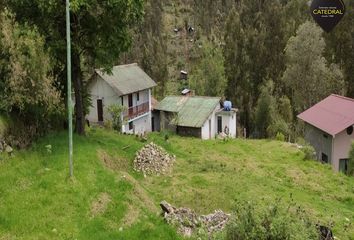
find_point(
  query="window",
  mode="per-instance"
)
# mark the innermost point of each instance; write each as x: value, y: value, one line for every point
x: 324, y: 158
x: 137, y: 96
x: 131, y: 126
x: 350, y: 130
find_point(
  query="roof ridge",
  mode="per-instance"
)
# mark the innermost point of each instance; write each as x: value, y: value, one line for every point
x: 126, y: 65
x: 343, y: 97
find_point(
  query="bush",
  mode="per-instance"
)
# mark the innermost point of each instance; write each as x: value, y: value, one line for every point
x: 280, y: 137
x: 115, y: 110
x: 274, y: 222
x: 309, y: 151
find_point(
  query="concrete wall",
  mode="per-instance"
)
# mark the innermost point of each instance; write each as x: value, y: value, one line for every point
x: 229, y: 119
x: 205, y: 127
x: 99, y: 89
x: 341, y: 147
x: 141, y: 124
x: 321, y: 141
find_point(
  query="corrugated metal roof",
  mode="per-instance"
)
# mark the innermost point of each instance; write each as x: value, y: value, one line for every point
x: 191, y: 111
x: 126, y: 79
x: 332, y: 115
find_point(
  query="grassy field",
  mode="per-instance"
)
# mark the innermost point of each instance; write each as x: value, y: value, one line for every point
x: 107, y: 200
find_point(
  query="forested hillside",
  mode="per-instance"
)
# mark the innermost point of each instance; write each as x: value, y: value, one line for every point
x: 268, y: 57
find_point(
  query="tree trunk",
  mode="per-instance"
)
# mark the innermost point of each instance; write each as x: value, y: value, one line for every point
x: 78, y: 88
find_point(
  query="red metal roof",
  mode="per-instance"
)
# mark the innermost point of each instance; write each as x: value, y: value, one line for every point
x: 332, y: 115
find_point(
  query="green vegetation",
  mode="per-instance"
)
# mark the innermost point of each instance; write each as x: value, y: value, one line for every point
x: 273, y: 222
x: 351, y: 161
x: 38, y: 201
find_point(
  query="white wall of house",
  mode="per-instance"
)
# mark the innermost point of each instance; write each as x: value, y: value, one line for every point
x: 228, y: 120
x: 206, y: 128
x: 341, y: 147
x: 99, y: 89
x: 141, y: 124
x: 144, y: 96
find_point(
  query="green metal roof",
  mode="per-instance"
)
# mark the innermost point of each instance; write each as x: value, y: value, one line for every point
x: 126, y: 79
x: 191, y: 111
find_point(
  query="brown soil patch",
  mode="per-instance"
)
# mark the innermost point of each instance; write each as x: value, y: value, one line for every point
x: 131, y: 216
x: 100, y: 205
x: 139, y: 194
x: 113, y: 163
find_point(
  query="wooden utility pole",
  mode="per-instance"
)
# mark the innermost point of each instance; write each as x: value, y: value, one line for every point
x: 70, y: 105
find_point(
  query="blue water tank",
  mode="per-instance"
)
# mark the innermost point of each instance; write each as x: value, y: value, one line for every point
x: 227, y: 106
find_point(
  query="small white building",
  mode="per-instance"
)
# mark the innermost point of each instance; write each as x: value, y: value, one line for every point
x: 127, y: 85
x: 196, y: 116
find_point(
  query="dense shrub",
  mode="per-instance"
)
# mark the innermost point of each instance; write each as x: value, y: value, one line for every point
x: 274, y: 222
x: 309, y: 152
x: 115, y: 112
x: 280, y: 137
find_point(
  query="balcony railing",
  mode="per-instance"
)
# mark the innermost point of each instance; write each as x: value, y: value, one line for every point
x: 136, y: 111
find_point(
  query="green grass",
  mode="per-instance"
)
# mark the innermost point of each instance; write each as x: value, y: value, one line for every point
x: 38, y: 201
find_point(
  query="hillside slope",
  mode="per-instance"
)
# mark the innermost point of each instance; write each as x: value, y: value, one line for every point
x: 107, y: 200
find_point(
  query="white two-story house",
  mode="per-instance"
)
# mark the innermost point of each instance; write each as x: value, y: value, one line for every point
x: 127, y: 85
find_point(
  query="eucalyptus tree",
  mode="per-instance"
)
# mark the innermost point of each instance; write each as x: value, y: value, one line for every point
x: 100, y: 32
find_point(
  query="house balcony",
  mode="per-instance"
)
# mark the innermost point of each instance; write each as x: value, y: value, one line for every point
x: 136, y: 111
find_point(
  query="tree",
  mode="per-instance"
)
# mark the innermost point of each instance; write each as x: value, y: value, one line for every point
x: 308, y: 76
x: 149, y: 46
x: 251, y: 57
x: 265, y: 110
x: 100, y: 33
x: 340, y: 46
x: 27, y: 89
x: 208, y: 77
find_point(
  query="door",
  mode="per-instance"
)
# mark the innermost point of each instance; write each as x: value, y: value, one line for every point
x: 219, y: 124
x: 130, y: 104
x: 343, y: 165
x: 130, y: 100
x: 100, y: 110
x: 153, y: 124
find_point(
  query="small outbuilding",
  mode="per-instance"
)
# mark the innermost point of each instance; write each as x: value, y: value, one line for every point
x: 196, y: 116
x: 329, y: 129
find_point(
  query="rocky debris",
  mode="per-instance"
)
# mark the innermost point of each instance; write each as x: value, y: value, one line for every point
x: 8, y: 149
x: 188, y: 221
x: 4, y: 147
x: 153, y: 159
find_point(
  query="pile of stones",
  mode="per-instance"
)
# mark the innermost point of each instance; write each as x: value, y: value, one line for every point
x: 5, y: 147
x: 188, y: 221
x: 153, y: 159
